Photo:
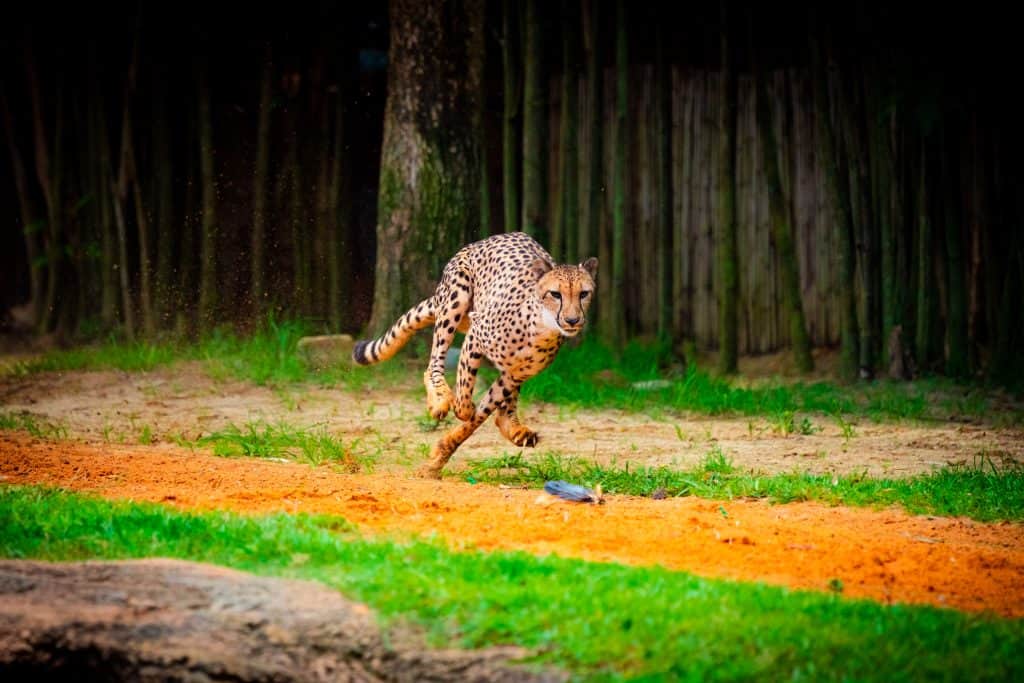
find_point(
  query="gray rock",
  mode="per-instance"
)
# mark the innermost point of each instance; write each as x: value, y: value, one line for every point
x: 169, y: 620
x: 326, y: 351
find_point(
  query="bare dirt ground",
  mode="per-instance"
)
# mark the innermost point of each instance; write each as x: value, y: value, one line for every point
x: 387, y: 425
x: 122, y: 428
x: 886, y: 555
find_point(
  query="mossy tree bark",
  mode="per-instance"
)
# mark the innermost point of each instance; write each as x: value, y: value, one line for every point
x: 956, y: 325
x: 429, y: 193
x: 564, y: 239
x: 588, y: 232
x: 925, y: 287
x: 535, y: 125
x: 259, y: 190
x: 207, y: 233
x: 512, y: 99
x: 27, y: 211
x: 613, y: 324
x: 663, y: 84
x: 839, y: 195
x: 49, y: 175
x: 339, y: 268
x: 782, y: 230
x: 728, y: 265
x: 163, y: 194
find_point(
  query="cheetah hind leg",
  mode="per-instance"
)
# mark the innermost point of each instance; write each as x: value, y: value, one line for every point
x: 511, y: 428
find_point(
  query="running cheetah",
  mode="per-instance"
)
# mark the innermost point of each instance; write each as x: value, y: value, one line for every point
x: 516, y: 307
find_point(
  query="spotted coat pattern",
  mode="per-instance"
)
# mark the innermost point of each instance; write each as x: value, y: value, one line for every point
x: 516, y: 307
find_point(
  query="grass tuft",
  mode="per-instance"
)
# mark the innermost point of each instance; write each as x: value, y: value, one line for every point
x: 37, y: 427
x: 313, y: 445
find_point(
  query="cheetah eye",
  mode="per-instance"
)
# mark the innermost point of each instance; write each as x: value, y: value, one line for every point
x: 555, y: 295
x: 584, y: 294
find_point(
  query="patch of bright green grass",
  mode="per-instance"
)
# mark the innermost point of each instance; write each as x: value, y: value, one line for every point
x: 37, y: 427
x: 600, y: 621
x: 979, y: 491
x: 588, y: 374
x: 267, y: 356
x: 313, y: 445
x: 111, y: 355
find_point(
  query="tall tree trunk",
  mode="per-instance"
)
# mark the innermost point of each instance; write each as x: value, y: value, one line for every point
x: 48, y: 174
x: 163, y: 191
x: 484, y: 181
x: 728, y: 260
x: 429, y: 197
x: 588, y: 232
x: 29, y: 228
x: 564, y: 241
x: 185, y: 299
x: 534, y: 125
x: 614, y: 328
x: 856, y: 145
x: 956, y: 324
x: 257, y: 283
x: 145, y: 264
x: 839, y: 195
x: 782, y: 230
x: 125, y: 175
x: 512, y: 93
x: 667, y: 249
x: 208, y: 230
x: 104, y: 172
x: 338, y: 270
x: 890, y: 229
x: 925, y: 287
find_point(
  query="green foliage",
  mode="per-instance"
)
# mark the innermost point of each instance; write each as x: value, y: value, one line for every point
x: 979, y: 491
x: 266, y: 357
x: 591, y: 375
x: 313, y: 445
x: 39, y: 428
x: 600, y: 621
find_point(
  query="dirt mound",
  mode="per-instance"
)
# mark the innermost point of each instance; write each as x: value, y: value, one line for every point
x: 884, y: 555
x: 160, y: 620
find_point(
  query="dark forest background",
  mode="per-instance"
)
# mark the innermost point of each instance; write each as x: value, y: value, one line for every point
x: 752, y: 176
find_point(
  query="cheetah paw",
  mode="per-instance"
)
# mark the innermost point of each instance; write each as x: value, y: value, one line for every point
x: 525, y: 437
x: 439, y: 401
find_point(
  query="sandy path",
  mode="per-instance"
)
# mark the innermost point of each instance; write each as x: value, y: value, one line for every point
x: 887, y: 555
x: 183, y: 400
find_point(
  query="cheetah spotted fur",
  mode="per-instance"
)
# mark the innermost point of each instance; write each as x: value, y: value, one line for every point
x: 516, y: 308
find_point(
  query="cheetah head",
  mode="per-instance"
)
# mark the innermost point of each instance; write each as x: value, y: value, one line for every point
x: 565, y: 293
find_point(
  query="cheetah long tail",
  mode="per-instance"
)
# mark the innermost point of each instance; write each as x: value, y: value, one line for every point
x: 369, y: 351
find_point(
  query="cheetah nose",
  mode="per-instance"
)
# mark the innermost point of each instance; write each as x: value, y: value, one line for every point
x: 571, y: 321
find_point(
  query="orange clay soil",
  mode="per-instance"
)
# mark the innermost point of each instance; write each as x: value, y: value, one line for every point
x: 886, y: 555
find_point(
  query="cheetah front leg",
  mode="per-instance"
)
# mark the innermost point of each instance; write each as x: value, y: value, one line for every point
x: 495, y: 399
x: 508, y: 423
x: 451, y: 313
x: 469, y: 365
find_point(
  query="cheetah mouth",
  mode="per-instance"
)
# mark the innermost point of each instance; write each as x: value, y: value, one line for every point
x: 570, y: 330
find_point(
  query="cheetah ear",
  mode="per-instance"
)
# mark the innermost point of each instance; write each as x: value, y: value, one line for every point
x: 540, y: 266
x: 590, y: 265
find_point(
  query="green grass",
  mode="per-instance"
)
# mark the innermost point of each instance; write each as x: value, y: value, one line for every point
x: 601, y: 621
x: 980, y: 491
x: 590, y: 375
x: 266, y: 357
x: 37, y: 427
x: 313, y: 445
